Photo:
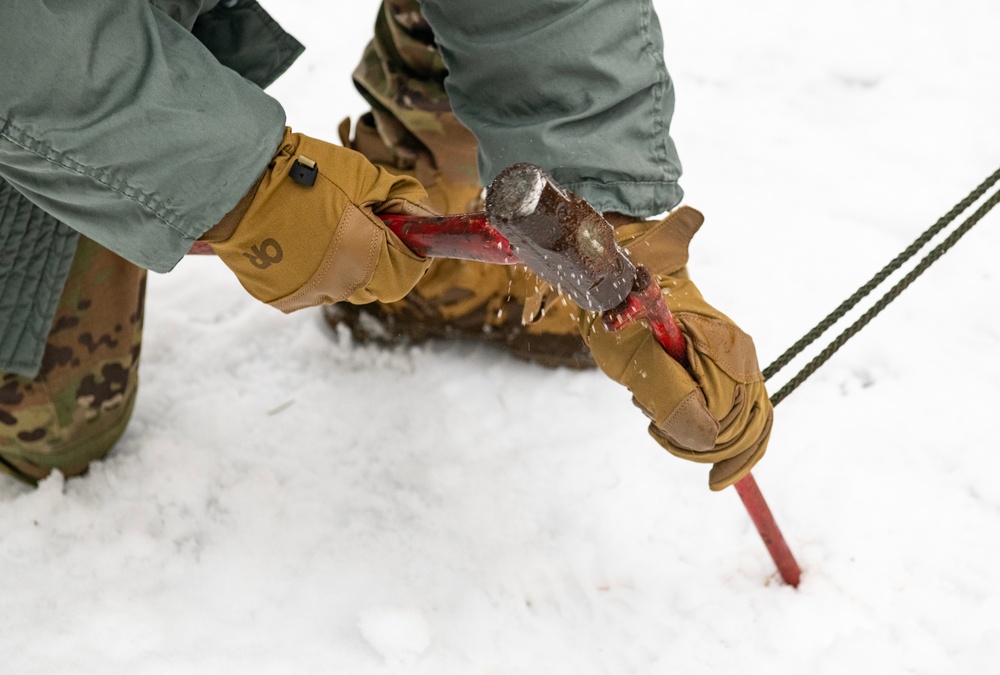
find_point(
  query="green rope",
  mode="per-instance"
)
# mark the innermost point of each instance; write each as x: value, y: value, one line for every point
x: 891, y: 295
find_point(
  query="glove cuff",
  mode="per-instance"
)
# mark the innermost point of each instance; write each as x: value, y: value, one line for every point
x: 661, y: 245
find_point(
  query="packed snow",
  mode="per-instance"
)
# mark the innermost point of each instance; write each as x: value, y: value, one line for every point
x: 287, y: 501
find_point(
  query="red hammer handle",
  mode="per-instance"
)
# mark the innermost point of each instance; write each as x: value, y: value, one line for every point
x: 645, y: 303
x: 467, y: 236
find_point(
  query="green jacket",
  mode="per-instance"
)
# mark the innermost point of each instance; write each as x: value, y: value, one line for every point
x: 137, y: 123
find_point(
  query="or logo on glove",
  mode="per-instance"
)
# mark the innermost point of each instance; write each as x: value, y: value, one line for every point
x: 268, y: 253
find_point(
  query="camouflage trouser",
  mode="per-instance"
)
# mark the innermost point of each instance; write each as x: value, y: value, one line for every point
x: 411, y: 127
x: 80, y: 402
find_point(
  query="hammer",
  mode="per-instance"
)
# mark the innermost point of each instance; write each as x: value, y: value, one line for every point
x: 567, y: 243
x: 558, y: 236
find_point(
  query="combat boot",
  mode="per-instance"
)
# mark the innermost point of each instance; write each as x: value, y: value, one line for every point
x: 411, y: 129
x: 504, y: 305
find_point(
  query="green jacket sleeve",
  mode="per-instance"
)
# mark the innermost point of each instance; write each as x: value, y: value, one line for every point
x: 118, y: 122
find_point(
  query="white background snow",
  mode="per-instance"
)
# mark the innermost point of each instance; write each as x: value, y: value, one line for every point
x: 285, y: 501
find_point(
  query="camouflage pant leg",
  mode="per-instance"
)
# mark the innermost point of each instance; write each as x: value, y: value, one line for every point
x: 79, y: 404
x: 411, y: 128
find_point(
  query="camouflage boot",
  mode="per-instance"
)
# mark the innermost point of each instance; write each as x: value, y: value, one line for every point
x: 79, y: 404
x: 411, y: 129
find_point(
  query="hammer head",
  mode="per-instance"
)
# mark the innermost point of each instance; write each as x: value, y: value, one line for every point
x: 560, y: 237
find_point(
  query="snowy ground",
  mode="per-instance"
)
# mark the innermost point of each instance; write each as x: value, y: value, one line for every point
x: 288, y: 502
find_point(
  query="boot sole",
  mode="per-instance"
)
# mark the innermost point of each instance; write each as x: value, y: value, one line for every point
x: 369, y: 324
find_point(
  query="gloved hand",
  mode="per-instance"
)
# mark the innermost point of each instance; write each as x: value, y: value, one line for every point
x: 718, y: 413
x: 307, y: 234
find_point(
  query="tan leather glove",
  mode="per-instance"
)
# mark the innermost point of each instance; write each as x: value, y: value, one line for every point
x: 719, y: 413
x: 307, y: 233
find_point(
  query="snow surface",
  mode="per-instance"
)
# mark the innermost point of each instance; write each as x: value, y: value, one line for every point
x: 288, y: 502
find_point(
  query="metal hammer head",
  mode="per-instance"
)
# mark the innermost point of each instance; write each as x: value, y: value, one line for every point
x: 560, y: 237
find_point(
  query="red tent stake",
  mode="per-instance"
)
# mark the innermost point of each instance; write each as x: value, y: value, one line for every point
x: 761, y: 516
x: 646, y: 303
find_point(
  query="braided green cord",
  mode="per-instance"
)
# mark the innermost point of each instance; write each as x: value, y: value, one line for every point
x: 894, y: 265
x: 891, y: 295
